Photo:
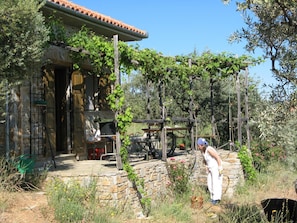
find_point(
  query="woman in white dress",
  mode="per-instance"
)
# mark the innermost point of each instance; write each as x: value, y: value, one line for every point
x: 214, y: 166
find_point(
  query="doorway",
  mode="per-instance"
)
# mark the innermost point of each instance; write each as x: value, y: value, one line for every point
x: 62, y: 96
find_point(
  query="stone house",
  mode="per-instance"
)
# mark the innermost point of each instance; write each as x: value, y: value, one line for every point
x: 55, y: 111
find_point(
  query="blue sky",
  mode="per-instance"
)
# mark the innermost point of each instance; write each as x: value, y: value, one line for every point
x: 180, y: 27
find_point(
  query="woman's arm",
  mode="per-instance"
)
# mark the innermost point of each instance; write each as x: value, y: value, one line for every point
x: 215, y: 155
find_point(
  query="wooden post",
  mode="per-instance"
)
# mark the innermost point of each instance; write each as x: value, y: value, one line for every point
x: 148, y: 102
x: 213, y: 132
x: 163, y: 130
x: 246, y: 97
x: 239, y: 130
x: 79, y: 141
x: 191, y: 116
x: 148, y: 114
x: 117, y: 73
x: 230, y: 120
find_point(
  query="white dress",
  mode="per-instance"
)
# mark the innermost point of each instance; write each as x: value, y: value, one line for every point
x: 214, y: 178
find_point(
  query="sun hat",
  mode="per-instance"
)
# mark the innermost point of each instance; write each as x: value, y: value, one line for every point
x: 202, y: 141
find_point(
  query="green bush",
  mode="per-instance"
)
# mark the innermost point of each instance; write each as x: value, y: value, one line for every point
x: 264, y: 153
x: 69, y: 200
x: 247, y: 164
x: 179, y: 175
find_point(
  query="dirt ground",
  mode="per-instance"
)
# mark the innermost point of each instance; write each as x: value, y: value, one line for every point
x: 32, y: 207
x: 25, y: 207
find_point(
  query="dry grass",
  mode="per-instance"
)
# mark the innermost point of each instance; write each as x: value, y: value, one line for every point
x: 33, y: 207
x: 277, y: 182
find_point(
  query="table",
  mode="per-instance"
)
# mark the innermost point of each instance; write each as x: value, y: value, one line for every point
x: 169, y: 133
x: 147, y: 144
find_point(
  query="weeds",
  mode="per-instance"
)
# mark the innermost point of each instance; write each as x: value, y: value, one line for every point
x: 242, y: 214
x: 170, y: 209
x: 12, y: 179
x: 275, y: 181
x: 73, y: 202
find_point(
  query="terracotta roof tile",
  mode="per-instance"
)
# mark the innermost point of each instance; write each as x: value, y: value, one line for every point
x: 97, y: 15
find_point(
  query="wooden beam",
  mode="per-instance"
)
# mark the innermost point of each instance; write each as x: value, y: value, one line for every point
x: 148, y: 121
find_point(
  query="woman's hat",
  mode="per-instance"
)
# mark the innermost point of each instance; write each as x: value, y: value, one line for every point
x: 202, y: 141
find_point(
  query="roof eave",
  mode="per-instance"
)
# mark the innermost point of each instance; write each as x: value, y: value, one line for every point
x: 124, y: 34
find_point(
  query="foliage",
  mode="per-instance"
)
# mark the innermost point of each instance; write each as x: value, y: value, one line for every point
x: 134, y: 87
x: 23, y: 38
x: 277, y: 125
x: 57, y: 31
x: 271, y: 27
x: 247, y: 164
x: 4, y: 86
x: 74, y: 202
x: 179, y: 173
x: 99, y: 51
x: 96, y: 49
x: 245, y: 213
x: 264, y: 153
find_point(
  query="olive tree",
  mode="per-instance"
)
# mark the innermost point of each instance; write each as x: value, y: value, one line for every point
x: 272, y: 27
x: 23, y: 36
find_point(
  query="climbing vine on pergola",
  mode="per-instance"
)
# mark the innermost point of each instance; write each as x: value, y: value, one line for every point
x: 156, y: 68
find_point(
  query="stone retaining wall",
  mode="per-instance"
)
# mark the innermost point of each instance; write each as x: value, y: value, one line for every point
x: 114, y: 188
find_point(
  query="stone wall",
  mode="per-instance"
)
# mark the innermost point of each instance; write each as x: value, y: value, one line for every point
x: 114, y: 188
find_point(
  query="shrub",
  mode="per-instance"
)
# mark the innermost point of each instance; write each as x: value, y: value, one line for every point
x: 179, y: 175
x: 74, y: 202
x: 70, y: 200
x: 247, y: 164
x: 264, y: 153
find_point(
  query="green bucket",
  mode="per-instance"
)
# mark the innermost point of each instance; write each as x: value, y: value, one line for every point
x: 25, y: 163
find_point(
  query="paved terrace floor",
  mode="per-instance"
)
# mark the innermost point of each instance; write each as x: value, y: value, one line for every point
x: 67, y: 165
